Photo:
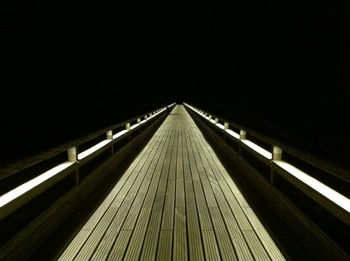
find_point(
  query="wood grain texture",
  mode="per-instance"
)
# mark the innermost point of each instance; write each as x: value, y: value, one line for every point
x: 175, y: 202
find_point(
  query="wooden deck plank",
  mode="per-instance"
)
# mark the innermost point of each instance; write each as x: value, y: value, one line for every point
x: 220, y: 186
x: 165, y: 247
x: 210, y: 245
x: 168, y: 212
x: 209, y: 195
x: 120, y: 245
x: 152, y: 235
x: 257, y: 248
x: 180, y: 241
x: 141, y: 195
x: 93, y: 241
x: 135, y: 246
x: 265, y: 238
x: 223, y: 240
x: 226, y: 248
x: 180, y: 230
x: 238, y: 202
x: 123, y: 184
x: 176, y: 201
x: 203, y: 211
x: 222, y: 192
x: 194, y: 234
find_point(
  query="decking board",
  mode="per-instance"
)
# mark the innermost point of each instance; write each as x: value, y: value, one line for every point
x: 176, y: 201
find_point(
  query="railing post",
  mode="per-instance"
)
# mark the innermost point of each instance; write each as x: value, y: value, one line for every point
x: 138, y: 120
x: 226, y: 125
x: 210, y: 117
x: 216, y: 120
x: 242, y: 136
x: 109, y: 135
x: 73, y: 157
x: 276, y: 153
x: 72, y: 154
x: 145, y: 117
x: 127, y: 127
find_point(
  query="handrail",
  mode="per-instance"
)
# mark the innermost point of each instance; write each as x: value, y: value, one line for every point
x: 20, y: 195
x: 332, y: 200
x: 76, y: 142
x: 323, y: 164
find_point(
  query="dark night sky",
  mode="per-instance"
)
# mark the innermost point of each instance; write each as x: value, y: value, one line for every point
x: 281, y: 67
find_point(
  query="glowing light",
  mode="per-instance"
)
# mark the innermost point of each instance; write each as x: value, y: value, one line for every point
x: 321, y: 188
x: 232, y: 133
x: 20, y: 190
x: 220, y: 126
x: 120, y: 133
x: 134, y: 126
x: 258, y: 149
x: 91, y: 150
x: 212, y: 121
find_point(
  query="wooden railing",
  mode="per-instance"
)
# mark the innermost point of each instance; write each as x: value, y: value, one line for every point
x: 77, y: 156
x: 325, y: 183
x: 35, y: 200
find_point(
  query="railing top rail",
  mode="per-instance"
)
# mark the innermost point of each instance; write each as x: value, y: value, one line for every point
x: 321, y: 163
x: 5, y: 172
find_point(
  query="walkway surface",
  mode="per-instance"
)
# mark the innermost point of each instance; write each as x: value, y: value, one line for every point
x: 176, y: 201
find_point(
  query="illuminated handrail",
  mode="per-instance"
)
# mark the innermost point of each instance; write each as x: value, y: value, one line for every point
x: 323, y: 164
x: 274, y: 159
x: 20, y: 195
x: 4, y: 173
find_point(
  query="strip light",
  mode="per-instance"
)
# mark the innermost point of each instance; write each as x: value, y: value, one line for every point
x: 232, y: 133
x: 20, y: 190
x: 91, y: 150
x: 220, y: 126
x: 134, y: 126
x: 120, y: 133
x: 258, y: 149
x: 321, y: 188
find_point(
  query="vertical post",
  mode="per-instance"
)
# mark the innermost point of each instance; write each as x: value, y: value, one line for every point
x: 73, y: 157
x: 72, y: 154
x: 276, y: 153
x: 226, y: 125
x: 242, y: 136
x: 109, y: 135
x: 138, y: 120
x: 145, y: 117
x: 210, y: 117
x: 127, y: 127
x: 216, y: 120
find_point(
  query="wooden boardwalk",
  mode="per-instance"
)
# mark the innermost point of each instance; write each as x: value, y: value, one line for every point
x: 175, y: 202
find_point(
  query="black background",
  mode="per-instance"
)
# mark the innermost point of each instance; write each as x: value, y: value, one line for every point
x: 71, y: 68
